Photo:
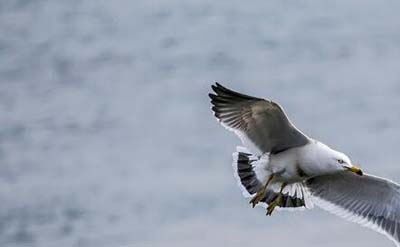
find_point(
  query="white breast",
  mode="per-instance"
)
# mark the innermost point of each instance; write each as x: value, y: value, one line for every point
x: 299, y: 163
x: 285, y: 165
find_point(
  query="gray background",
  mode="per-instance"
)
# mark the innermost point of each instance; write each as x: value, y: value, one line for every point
x: 107, y: 138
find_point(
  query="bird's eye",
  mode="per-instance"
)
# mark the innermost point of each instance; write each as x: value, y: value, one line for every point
x: 340, y: 161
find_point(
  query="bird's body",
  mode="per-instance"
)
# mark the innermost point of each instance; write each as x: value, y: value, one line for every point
x: 287, y: 165
x: 297, y: 164
x: 282, y: 167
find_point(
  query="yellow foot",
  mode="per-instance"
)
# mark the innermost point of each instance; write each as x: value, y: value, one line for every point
x: 273, y: 204
x: 258, y: 197
x: 261, y: 193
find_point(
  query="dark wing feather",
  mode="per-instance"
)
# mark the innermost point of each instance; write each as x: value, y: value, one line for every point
x: 258, y: 122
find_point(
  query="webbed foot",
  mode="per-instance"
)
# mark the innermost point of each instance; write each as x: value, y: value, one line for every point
x: 273, y: 204
x: 258, y: 197
x: 261, y: 193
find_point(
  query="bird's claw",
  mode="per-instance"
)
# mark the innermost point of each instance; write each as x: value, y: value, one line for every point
x: 273, y: 204
x: 257, y: 198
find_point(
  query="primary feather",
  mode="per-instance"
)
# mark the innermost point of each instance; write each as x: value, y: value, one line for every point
x: 262, y: 122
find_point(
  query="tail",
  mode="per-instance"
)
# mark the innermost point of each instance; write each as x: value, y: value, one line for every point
x: 244, y: 168
x: 251, y: 175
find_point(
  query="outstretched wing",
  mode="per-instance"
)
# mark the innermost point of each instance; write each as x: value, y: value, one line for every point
x: 368, y: 200
x: 260, y: 124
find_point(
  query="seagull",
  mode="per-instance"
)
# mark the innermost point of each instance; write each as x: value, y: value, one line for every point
x: 281, y: 167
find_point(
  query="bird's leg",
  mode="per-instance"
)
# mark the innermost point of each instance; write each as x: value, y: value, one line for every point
x: 276, y: 201
x: 261, y: 193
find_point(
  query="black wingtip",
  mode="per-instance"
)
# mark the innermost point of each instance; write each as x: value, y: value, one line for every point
x: 226, y: 93
x: 217, y: 87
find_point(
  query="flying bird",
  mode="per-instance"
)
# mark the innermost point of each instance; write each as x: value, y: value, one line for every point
x: 281, y: 167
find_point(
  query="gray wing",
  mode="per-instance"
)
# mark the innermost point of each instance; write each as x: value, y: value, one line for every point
x: 260, y: 123
x: 368, y: 200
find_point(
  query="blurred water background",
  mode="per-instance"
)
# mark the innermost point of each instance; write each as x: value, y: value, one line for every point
x: 107, y: 138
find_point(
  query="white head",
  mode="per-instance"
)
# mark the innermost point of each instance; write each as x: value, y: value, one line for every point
x: 335, y: 161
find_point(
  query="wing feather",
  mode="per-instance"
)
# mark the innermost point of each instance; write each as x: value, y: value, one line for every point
x: 261, y: 124
x: 368, y: 200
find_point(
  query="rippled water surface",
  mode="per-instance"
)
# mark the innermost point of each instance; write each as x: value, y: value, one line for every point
x: 107, y: 138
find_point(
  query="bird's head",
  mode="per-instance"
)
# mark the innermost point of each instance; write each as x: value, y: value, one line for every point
x: 343, y: 162
x: 332, y: 161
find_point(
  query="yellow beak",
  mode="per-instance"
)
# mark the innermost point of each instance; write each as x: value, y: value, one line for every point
x: 356, y: 170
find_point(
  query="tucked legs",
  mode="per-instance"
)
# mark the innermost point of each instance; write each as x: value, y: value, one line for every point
x: 261, y: 193
x: 276, y: 201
